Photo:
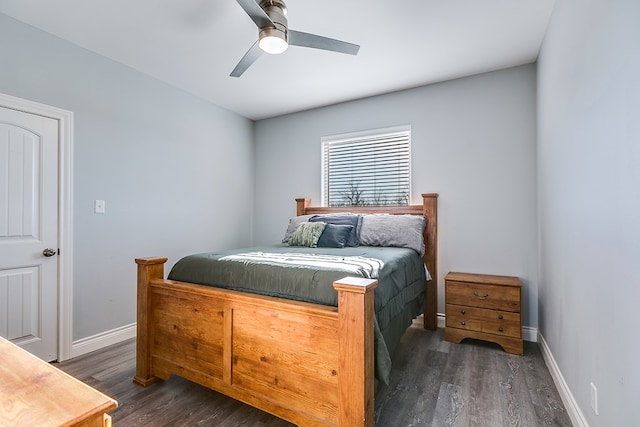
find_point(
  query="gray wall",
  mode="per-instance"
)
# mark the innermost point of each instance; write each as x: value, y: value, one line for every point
x: 589, y: 199
x: 159, y: 157
x: 473, y: 141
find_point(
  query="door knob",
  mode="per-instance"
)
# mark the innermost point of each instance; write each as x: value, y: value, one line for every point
x: 49, y: 252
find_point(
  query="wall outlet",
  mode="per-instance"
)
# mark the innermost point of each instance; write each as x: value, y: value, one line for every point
x: 99, y: 206
x: 594, y: 398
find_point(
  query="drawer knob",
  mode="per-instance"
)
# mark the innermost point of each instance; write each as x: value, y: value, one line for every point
x: 462, y: 323
x: 477, y: 295
x: 463, y: 312
x: 501, y: 329
x: 500, y: 316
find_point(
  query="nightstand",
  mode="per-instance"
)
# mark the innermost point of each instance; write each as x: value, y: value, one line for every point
x: 484, y: 307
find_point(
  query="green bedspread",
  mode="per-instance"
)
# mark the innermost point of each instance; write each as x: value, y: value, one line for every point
x: 398, y: 298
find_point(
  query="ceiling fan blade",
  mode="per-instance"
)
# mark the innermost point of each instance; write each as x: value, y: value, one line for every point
x: 256, y: 13
x: 249, y: 58
x: 298, y: 38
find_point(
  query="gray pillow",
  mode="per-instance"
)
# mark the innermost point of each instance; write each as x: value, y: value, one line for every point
x: 403, y: 231
x: 293, y: 225
x: 342, y: 219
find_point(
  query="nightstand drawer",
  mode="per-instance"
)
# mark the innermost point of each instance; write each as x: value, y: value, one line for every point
x: 455, y: 321
x: 483, y: 320
x: 496, y: 297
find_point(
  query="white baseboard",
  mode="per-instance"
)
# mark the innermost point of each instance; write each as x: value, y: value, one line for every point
x: 104, y: 339
x: 570, y: 404
x: 530, y: 333
x: 441, y: 320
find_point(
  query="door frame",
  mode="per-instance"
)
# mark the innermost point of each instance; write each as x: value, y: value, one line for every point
x: 65, y: 213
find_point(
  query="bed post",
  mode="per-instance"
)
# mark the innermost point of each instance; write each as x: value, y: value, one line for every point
x: 355, y: 351
x: 148, y: 269
x: 301, y: 205
x: 430, y: 211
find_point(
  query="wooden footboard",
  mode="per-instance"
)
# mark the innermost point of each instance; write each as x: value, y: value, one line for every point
x: 306, y: 363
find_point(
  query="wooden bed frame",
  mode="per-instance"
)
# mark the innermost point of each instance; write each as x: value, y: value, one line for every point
x: 307, y: 363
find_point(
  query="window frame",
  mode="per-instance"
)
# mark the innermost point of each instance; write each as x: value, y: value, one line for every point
x: 362, y: 136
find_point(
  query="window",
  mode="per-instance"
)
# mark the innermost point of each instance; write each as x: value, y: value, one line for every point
x: 367, y: 168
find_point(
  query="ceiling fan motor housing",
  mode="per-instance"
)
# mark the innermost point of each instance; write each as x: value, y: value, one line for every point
x: 276, y: 10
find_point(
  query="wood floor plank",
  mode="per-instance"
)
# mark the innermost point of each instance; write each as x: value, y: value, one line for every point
x: 450, y: 405
x: 543, y: 394
x: 411, y: 398
x: 433, y: 383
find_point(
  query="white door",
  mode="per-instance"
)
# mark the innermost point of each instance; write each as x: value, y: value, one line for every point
x: 29, y: 146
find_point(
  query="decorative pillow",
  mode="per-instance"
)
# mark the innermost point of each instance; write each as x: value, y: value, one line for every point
x: 403, y: 231
x: 293, y: 225
x: 334, y: 236
x: 342, y: 219
x: 307, y: 234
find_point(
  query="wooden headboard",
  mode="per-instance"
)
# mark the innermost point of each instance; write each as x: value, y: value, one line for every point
x: 429, y: 209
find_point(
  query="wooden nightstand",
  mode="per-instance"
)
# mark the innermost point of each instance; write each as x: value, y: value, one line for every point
x: 484, y: 307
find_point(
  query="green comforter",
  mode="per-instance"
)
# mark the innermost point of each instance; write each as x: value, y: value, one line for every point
x: 398, y: 298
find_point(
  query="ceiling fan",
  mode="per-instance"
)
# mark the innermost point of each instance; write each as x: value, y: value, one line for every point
x: 274, y: 37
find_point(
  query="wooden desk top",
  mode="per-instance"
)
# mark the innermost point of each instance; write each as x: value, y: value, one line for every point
x: 33, y: 392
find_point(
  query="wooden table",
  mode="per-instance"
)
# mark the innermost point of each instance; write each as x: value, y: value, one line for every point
x: 35, y: 393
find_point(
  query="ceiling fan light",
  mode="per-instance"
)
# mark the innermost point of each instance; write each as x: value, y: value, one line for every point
x: 273, y: 41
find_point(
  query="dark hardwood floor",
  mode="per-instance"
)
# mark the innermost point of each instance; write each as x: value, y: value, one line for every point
x: 434, y: 383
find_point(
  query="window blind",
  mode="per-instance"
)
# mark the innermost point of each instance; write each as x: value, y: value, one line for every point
x: 373, y: 168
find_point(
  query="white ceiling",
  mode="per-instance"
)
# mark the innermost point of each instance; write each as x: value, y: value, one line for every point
x: 194, y: 44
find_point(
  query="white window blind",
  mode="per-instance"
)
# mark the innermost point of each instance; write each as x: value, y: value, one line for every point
x: 367, y: 169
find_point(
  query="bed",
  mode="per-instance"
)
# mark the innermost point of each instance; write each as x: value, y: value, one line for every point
x: 311, y: 363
